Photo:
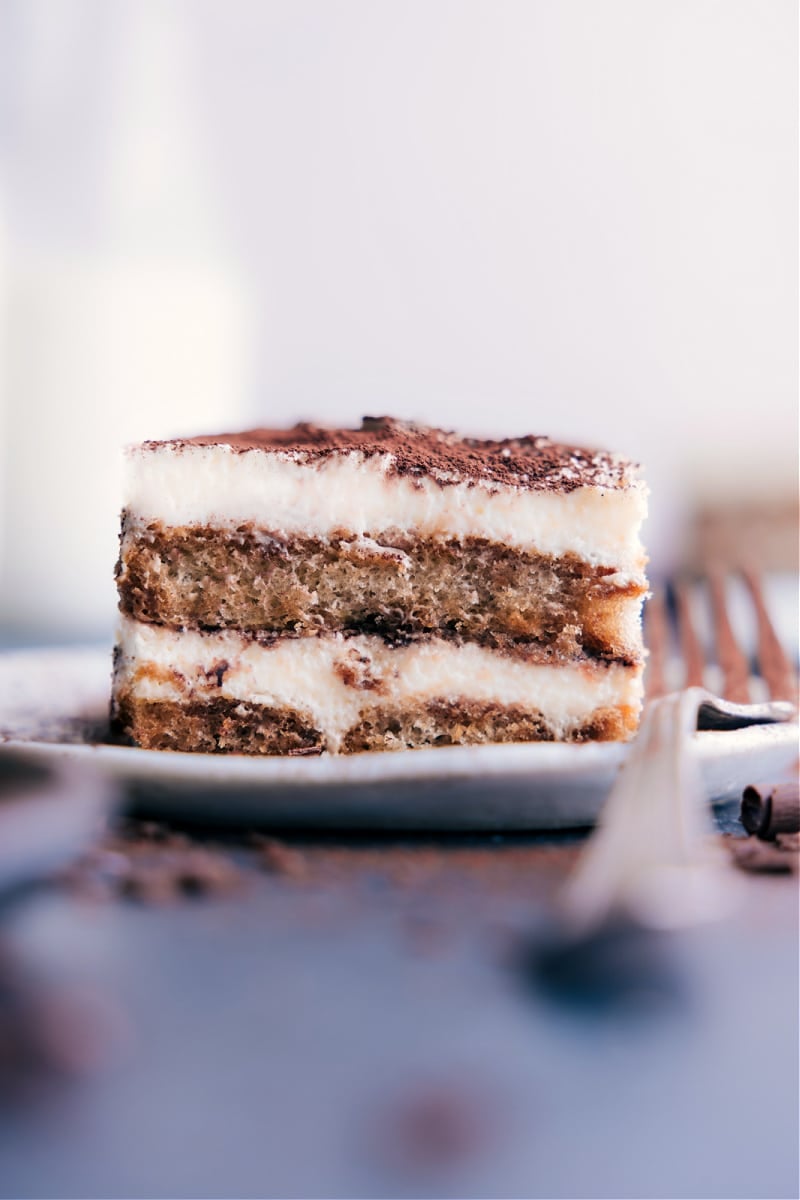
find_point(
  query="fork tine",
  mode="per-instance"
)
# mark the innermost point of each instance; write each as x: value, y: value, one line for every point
x: 735, y: 667
x: 657, y: 639
x: 691, y: 650
x: 773, y: 662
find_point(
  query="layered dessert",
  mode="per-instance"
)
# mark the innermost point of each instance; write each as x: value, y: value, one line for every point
x: 393, y: 586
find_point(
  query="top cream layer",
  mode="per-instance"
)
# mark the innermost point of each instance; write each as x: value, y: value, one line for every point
x: 219, y: 486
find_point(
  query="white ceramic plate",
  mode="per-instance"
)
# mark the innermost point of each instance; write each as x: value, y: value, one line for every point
x: 56, y: 702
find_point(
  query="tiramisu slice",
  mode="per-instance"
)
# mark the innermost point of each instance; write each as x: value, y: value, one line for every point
x: 294, y: 591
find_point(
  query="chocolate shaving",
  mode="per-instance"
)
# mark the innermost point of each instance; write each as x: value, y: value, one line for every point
x: 763, y: 857
x: 771, y: 809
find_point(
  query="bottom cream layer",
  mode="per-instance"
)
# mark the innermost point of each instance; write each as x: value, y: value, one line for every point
x: 222, y: 691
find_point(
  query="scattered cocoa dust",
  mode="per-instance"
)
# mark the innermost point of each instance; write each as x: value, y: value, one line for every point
x: 151, y: 863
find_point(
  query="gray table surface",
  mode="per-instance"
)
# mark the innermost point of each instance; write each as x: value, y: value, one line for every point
x: 372, y: 1030
x: 304, y: 1038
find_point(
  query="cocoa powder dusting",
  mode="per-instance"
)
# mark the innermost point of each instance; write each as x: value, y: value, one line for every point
x: 418, y: 451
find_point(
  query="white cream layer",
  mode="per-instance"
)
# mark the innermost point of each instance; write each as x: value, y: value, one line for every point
x: 218, y: 486
x: 309, y: 674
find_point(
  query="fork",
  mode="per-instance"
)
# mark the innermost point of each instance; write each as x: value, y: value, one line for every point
x: 671, y: 609
x: 652, y: 856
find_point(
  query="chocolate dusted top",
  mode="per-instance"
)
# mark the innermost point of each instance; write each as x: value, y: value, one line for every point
x: 419, y: 451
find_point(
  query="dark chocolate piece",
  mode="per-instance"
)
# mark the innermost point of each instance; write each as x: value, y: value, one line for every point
x: 770, y: 809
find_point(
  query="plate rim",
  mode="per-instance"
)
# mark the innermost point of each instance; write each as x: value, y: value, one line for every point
x: 509, y: 759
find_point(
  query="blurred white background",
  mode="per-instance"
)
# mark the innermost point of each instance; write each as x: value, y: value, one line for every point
x: 576, y: 217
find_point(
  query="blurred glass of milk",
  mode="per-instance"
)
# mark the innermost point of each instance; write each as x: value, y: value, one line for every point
x: 145, y: 334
